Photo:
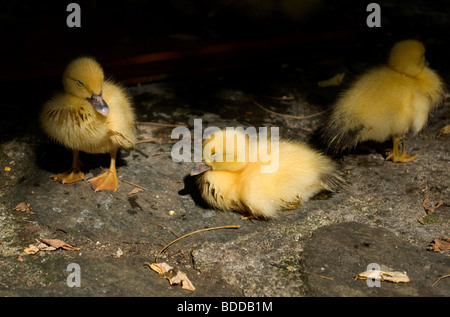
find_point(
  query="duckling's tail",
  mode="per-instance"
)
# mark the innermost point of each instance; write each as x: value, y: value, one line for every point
x: 333, y: 180
x: 338, y: 136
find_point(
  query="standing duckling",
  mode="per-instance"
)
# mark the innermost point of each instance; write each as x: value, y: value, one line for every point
x: 93, y: 115
x: 281, y: 175
x: 386, y: 102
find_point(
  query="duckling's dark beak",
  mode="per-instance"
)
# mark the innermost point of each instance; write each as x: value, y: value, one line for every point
x: 200, y: 168
x: 99, y: 104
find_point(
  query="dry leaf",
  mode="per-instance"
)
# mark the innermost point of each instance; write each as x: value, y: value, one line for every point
x: 181, y: 277
x: 32, y: 249
x: 160, y: 268
x: 444, y: 130
x: 174, y: 275
x: 56, y: 243
x: 336, y: 80
x: 135, y: 191
x: 48, y: 245
x: 430, y: 209
x: 24, y: 207
x: 44, y: 247
x: 441, y: 244
x: 395, y: 277
x: 21, y: 207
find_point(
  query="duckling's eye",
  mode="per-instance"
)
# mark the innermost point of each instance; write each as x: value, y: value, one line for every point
x: 80, y: 83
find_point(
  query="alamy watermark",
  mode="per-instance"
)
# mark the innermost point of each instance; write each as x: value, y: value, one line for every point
x: 260, y: 148
x: 373, y: 279
x: 74, y: 18
x: 74, y: 278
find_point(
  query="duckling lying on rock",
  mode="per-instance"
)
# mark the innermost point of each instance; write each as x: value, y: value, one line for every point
x: 93, y: 115
x: 238, y: 182
x: 386, y: 102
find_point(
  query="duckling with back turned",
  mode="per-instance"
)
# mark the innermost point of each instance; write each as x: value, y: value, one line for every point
x: 238, y: 182
x: 386, y: 102
x: 92, y: 115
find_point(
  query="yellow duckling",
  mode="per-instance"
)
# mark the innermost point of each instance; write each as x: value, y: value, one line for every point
x: 93, y: 115
x: 387, y: 102
x: 261, y: 177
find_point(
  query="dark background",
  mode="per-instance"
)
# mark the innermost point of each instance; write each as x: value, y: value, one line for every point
x: 146, y: 41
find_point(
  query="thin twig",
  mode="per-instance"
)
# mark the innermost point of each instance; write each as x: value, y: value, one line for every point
x: 188, y: 234
x: 146, y: 141
x: 133, y: 184
x: 440, y: 278
x: 162, y: 124
x: 286, y: 115
x: 321, y: 276
x: 165, y: 228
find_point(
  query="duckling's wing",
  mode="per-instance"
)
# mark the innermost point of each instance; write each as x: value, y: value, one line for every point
x: 121, y: 140
x: 433, y: 86
x: 121, y: 117
x: 71, y: 122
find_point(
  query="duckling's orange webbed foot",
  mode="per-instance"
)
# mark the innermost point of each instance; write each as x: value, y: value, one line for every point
x: 292, y: 206
x: 105, y: 181
x: 108, y: 180
x: 72, y: 175
x: 401, y: 157
x: 398, y: 157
